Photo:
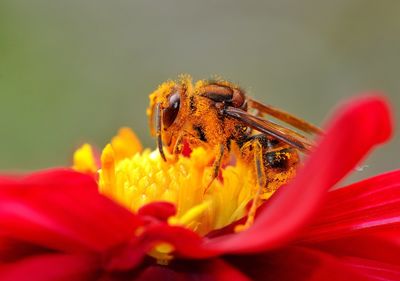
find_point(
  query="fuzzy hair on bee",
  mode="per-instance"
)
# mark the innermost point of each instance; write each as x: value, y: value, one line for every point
x: 219, y: 116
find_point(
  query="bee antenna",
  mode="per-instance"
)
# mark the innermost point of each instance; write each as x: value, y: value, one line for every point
x: 158, y: 119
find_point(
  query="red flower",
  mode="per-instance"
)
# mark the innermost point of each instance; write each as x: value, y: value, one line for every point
x: 54, y: 225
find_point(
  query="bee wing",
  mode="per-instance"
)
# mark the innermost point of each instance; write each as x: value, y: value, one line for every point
x: 267, y: 127
x: 285, y: 117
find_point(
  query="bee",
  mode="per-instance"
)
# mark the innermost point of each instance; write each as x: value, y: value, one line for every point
x: 219, y: 116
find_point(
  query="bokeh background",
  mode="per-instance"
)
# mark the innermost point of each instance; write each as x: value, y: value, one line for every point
x: 75, y: 71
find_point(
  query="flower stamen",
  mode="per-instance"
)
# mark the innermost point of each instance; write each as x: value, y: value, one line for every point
x: 134, y: 178
x: 162, y: 253
x: 84, y: 159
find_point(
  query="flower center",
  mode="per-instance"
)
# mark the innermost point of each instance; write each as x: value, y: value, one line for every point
x: 134, y: 178
x: 146, y: 177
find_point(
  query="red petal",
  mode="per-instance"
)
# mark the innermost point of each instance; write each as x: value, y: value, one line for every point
x: 186, y: 242
x: 374, y: 270
x: 51, y: 267
x: 381, y: 250
x: 158, y: 210
x: 186, y: 150
x: 215, y: 269
x: 127, y: 256
x: 361, y: 125
x: 374, y: 256
x: 365, y: 207
x: 12, y: 250
x: 358, y: 126
x: 295, y: 263
x: 63, y: 210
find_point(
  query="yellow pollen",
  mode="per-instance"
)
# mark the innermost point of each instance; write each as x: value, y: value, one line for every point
x: 125, y: 144
x: 84, y: 160
x: 108, y: 177
x: 134, y: 178
x: 191, y: 217
x: 162, y: 253
x: 146, y: 177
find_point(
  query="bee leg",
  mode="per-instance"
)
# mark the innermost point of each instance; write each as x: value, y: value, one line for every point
x: 158, y: 119
x: 216, y: 166
x: 261, y: 181
x: 178, y: 147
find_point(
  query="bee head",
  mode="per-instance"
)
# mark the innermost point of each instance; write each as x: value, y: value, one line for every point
x: 166, y: 108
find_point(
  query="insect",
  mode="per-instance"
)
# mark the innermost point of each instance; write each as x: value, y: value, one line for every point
x: 219, y: 116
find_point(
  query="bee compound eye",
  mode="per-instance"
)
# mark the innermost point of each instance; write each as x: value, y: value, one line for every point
x: 170, y: 113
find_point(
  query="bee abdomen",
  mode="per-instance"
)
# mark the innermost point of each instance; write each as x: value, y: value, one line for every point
x: 200, y: 132
x: 278, y: 159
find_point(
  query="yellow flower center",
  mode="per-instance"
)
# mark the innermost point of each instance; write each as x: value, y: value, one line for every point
x: 146, y: 177
x: 134, y: 178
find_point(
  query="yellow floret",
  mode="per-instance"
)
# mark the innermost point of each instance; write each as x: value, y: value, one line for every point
x: 146, y: 177
x: 84, y: 160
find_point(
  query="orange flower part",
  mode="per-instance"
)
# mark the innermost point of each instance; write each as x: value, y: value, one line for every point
x: 145, y: 178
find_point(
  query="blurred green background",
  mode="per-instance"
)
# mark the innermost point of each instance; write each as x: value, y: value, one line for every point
x: 75, y: 71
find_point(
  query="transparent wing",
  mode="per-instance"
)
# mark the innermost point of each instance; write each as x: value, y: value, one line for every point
x: 285, y: 117
x: 270, y: 128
